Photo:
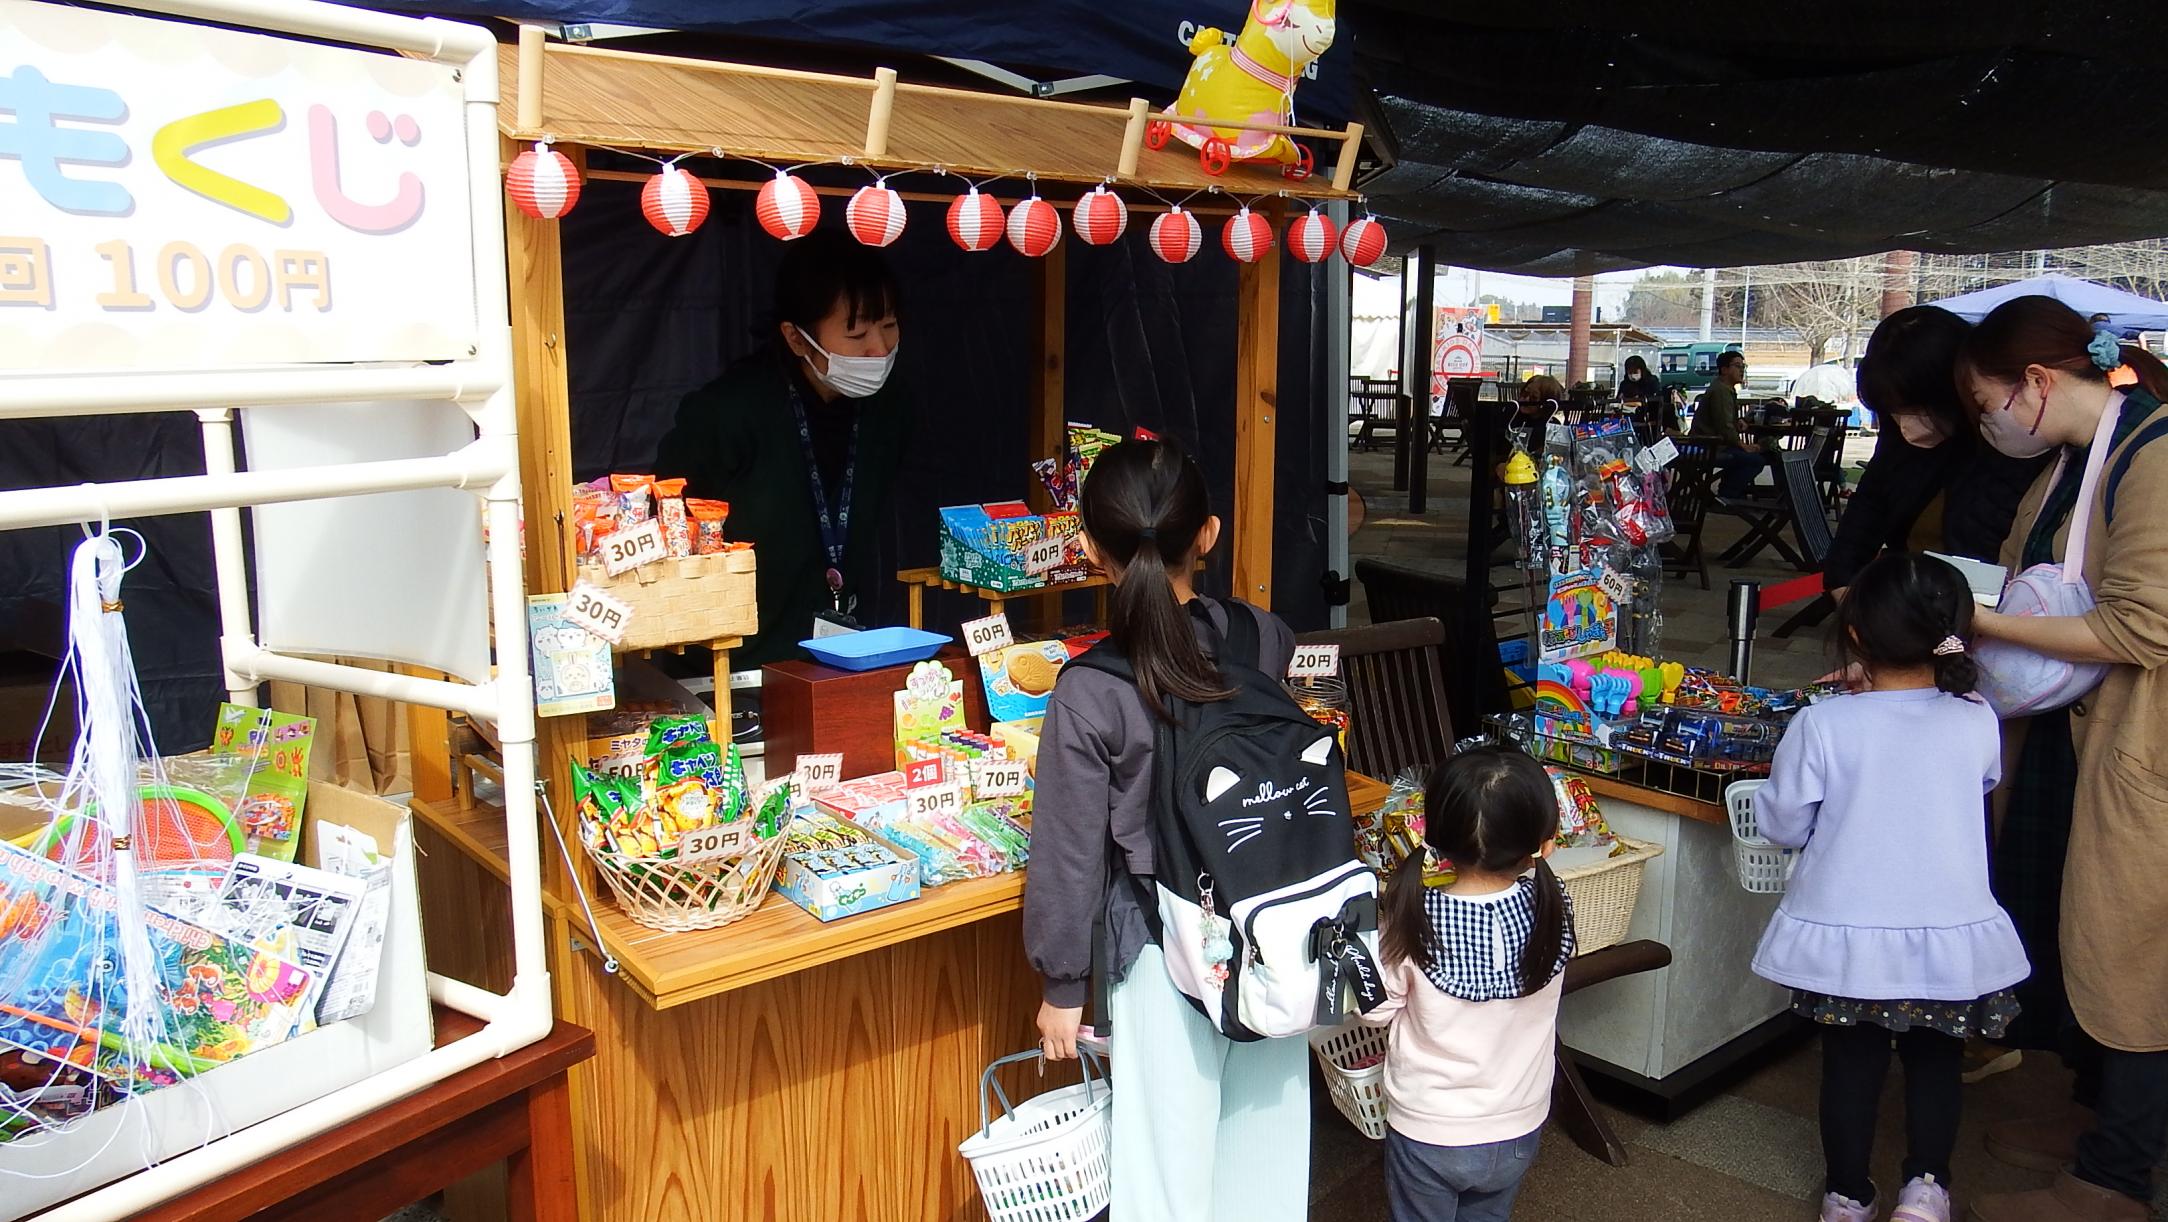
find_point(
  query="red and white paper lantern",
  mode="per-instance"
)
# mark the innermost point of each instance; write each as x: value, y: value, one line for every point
x: 1247, y: 237
x: 974, y: 220
x: 674, y: 202
x: 1176, y: 236
x: 787, y: 207
x: 1100, y: 218
x: 542, y: 183
x: 875, y: 215
x: 1362, y: 243
x: 1034, y: 229
x: 1311, y: 237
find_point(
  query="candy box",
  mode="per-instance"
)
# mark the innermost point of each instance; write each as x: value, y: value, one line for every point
x: 983, y: 545
x: 871, y: 802
x: 1021, y: 739
x: 832, y: 869
x: 1019, y: 680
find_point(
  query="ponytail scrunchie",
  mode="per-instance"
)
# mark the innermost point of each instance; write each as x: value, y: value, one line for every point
x: 2106, y: 350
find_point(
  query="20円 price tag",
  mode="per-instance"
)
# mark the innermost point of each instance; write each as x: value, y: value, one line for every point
x: 1314, y: 662
x: 987, y: 635
x: 597, y: 612
x: 818, y: 771
x: 936, y: 800
x: 999, y: 778
x: 629, y: 549
x: 1045, y: 554
x: 707, y: 842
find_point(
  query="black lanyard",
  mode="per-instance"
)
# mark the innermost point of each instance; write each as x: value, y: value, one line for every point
x: 835, y: 527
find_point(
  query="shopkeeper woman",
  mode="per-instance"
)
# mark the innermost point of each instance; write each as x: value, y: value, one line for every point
x: 803, y: 439
x: 2038, y: 376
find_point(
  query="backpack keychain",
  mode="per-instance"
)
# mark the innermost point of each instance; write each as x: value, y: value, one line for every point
x: 1219, y: 946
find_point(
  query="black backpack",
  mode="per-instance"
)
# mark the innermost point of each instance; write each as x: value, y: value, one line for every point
x: 1268, y: 921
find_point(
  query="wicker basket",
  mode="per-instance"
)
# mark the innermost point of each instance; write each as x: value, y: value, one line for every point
x: 687, y: 600
x: 662, y: 894
x: 1357, y: 1088
x: 1604, y: 894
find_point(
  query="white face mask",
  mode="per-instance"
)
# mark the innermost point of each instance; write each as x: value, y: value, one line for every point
x: 2008, y: 434
x: 853, y: 377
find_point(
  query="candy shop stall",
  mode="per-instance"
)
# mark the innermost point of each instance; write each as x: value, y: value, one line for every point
x: 797, y: 965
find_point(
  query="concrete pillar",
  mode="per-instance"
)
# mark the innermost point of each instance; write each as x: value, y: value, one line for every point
x: 1584, y: 303
x: 1898, y: 269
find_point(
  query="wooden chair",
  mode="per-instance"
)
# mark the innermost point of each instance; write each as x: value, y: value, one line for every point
x: 1693, y: 476
x: 1572, y: 1106
x: 1474, y: 679
x: 1395, y: 675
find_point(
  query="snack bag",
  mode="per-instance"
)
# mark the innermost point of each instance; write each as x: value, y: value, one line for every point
x: 635, y: 498
x: 677, y: 531
x: 707, y: 525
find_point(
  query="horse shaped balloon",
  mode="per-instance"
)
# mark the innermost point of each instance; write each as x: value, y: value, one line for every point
x: 1233, y: 92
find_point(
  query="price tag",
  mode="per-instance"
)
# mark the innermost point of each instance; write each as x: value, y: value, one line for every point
x: 719, y: 841
x: 1046, y: 554
x: 987, y: 635
x: 819, y: 771
x: 629, y: 549
x: 1616, y: 585
x: 1314, y: 662
x: 918, y: 774
x: 597, y: 612
x: 999, y: 778
x: 1662, y: 453
x: 936, y: 800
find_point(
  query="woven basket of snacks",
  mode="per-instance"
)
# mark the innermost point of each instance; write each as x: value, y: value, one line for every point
x: 683, y: 845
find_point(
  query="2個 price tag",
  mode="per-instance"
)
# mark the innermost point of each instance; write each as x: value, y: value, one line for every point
x: 1045, y: 554
x: 707, y: 842
x: 818, y: 771
x: 987, y: 635
x: 629, y: 549
x: 936, y: 800
x: 999, y: 778
x: 597, y: 612
x: 1314, y: 662
x: 919, y: 774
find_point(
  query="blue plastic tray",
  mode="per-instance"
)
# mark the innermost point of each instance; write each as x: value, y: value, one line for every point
x: 875, y: 648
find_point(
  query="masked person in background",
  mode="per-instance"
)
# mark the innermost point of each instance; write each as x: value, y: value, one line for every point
x: 803, y: 439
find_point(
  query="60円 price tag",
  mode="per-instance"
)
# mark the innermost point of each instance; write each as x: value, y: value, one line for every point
x: 1314, y: 662
x: 818, y: 771
x: 936, y: 800
x: 597, y: 612
x: 987, y: 635
x: 999, y: 778
x: 721, y: 840
x: 1045, y: 554
x: 629, y: 549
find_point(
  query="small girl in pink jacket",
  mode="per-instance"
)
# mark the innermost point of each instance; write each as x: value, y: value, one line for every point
x: 1474, y: 971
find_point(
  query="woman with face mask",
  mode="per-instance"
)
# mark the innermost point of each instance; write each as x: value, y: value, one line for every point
x: 2083, y: 849
x: 804, y: 439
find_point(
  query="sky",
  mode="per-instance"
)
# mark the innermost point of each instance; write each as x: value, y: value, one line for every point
x: 1461, y: 286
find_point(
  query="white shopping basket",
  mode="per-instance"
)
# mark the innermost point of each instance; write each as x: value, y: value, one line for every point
x: 1764, y: 865
x: 1046, y: 1159
x: 1353, y: 1058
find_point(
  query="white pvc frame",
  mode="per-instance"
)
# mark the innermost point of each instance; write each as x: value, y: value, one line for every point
x: 489, y: 467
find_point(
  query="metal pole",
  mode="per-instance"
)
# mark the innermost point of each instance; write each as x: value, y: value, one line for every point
x: 1744, y: 607
x: 1426, y: 339
x: 1708, y: 304
x: 1339, y: 308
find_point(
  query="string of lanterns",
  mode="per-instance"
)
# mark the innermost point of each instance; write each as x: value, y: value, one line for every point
x: 543, y: 183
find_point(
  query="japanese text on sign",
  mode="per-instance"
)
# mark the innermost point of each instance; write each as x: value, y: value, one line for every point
x: 709, y: 842
x: 629, y: 549
x: 1045, y: 554
x: 999, y: 778
x: 987, y: 635
x: 936, y: 801
x: 819, y: 771
x: 597, y: 612
x: 1314, y: 662
x: 919, y: 774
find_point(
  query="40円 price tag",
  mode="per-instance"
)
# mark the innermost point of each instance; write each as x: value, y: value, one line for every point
x: 999, y: 778
x: 719, y: 841
x: 629, y: 549
x: 597, y: 612
x: 1045, y: 554
x: 1314, y: 662
x: 989, y: 635
x: 818, y: 771
x: 936, y: 800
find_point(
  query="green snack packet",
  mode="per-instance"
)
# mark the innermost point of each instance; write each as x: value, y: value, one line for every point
x: 610, y: 799
x: 675, y: 731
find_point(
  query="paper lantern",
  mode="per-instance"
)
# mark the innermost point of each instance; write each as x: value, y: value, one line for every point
x: 875, y: 215
x: 787, y: 208
x: 1311, y: 237
x: 543, y: 183
x: 1176, y: 236
x: 1362, y: 243
x: 974, y: 220
x: 1247, y: 237
x: 674, y: 202
x: 1100, y: 218
x: 1034, y: 229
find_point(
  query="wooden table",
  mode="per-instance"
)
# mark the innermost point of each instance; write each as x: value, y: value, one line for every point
x: 516, y: 1109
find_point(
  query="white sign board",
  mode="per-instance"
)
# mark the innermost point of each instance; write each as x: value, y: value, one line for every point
x: 177, y: 197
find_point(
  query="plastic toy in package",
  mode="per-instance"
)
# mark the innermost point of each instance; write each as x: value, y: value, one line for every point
x: 1580, y: 819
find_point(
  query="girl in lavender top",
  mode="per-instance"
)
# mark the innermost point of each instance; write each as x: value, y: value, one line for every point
x: 1888, y: 935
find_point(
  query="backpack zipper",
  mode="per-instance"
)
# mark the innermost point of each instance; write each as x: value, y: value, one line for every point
x: 1249, y: 923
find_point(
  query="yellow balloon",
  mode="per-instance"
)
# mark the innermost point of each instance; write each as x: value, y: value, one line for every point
x: 1233, y: 89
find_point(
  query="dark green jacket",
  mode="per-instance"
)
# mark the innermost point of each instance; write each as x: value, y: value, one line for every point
x: 735, y: 440
x: 1718, y: 415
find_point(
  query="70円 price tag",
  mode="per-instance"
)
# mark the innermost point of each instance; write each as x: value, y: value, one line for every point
x: 818, y: 771
x: 597, y: 612
x: 999, y: 778
x: 987, y: 635
x: 629, y: 549
x: 936, y: 800
x: 1314, y: 662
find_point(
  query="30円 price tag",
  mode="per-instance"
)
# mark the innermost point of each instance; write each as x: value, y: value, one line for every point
x: 623, y: 550
x: 936, y: 800
x: 1046, y: 554
x: 1314, y: 662
x: 922, y: 774
x: 989, y: 635
x: 597, y: 612
x: 999, y: 778
x: 721, y: 840
x: 818, y: 771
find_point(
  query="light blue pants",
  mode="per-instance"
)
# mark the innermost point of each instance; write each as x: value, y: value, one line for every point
x: 1205, y: 1129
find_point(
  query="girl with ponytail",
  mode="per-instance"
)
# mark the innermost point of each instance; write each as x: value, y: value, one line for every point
x: 1204, y: 1128
x: 1888, y: 932
x: 1473, y: 974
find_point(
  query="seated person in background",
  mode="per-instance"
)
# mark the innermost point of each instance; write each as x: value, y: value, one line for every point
x: 1717, y: 420
x: 1539, y: 396
x: 1638, y: 387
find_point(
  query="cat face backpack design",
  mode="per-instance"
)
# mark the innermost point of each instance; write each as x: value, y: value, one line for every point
x: 1268, y: 922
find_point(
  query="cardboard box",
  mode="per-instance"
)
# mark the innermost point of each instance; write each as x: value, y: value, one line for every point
x: 831, y: 896
x: 114, y: 1141
x: 617, y: 739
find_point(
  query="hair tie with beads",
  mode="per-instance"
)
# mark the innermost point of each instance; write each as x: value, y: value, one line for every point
x: 1949, y: 646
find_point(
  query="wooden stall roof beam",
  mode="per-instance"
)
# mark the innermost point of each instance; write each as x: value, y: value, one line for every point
x: 1201, y: 207
x: 623, y: 99
x: 1257, y: 379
